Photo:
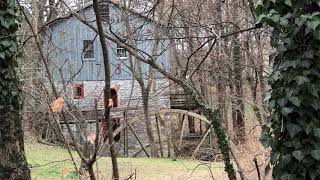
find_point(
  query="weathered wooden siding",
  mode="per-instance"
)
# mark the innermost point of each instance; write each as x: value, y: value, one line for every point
x: 129, y: 94
x: 64, y: 45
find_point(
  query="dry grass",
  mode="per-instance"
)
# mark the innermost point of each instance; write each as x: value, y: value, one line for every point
x: 49, y: 162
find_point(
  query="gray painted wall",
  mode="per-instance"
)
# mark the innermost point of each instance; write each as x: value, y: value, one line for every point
x: 64, y: 46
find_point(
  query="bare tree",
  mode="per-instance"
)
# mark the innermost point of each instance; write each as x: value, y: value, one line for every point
x: 107, y: 89
x: 216, y: 56
x: 12, y: 156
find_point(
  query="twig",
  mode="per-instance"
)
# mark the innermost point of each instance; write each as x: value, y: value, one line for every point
x: 257, y: 167
x: 41, y: 165
x: 132, y: 175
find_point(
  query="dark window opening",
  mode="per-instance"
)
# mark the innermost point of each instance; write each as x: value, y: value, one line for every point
x: 114, y: 95
x: 115, y: 121
x: 88, y: 49
x: 78, y: 91
x: 121, y: 52
x: 104, y: 10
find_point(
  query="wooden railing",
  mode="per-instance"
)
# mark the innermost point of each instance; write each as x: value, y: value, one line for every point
x: 182, y: 101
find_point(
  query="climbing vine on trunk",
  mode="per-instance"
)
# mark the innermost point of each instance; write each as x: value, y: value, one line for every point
x: 294, y: 130
x: 13, y: 164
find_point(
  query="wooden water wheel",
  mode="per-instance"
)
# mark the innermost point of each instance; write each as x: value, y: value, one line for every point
x: 177, y: 131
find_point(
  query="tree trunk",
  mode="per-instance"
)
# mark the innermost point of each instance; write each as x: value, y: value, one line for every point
x: 262, y: 81
x: 91, y: 172
x: 12, y: 156
x: 215, y: 118
x: 238, y: 121
x: 105, y: 54
x: 147, y: 120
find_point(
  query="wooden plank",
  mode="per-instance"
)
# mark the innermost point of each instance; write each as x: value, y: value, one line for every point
x: 200, y: 117
x: 159, y: 136
x: 199, y: 145
x: 135, y: 135
x: 182, y: 130
x: 167, y: 131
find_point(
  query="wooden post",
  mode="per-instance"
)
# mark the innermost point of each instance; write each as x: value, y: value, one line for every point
x: 167, y: 130
x: 191, y: 124
x: 126, y: 134
x: 200, y: 127
x: 135, y: 135
x: 185, y: 116
x: 159, y: 136
x: 124, y: 142
x: 201, y: 142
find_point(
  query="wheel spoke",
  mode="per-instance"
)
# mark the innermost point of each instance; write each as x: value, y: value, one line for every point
x: 201, y: 142
x: 182, y: 130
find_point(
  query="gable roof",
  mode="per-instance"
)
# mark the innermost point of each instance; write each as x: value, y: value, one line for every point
x: 89, y: 5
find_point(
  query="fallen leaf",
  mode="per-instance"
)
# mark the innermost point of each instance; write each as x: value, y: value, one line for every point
x: 57, y: 104
x: 65, y: 172
x: 110, y: 103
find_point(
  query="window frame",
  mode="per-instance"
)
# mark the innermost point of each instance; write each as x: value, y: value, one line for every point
x: 104, y: 10
x: 76, y: 87
x: 125, y: 52
x: 87, y: 49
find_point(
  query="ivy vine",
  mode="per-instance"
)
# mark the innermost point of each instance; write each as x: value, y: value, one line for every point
x: 10, y: 93
x: 13, y: 165
x: 294, y: 129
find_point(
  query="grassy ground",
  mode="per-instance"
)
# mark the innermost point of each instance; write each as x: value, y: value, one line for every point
x: 50, y: 162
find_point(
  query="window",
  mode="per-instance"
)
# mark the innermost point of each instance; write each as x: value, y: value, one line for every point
x: 104, y: 10
x: 114, y: 96
x: 121, y: 52
x: 88, y: 49
x: 78, y: 91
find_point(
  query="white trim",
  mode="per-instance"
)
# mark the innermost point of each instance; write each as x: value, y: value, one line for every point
x: 122, y: 58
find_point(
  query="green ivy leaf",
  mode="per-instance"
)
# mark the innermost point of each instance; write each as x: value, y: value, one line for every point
x: 295, y: 100
x: 11, y: 11
x: 14, y: 93
x: 275, y: 18
x: 308, y: 128
x: 316, y: 132
x: 301, y: 79
x: 285, y: 111
x: 313, y: 24
x: 287, y: 64
x: 13, y: 48
x: 298, y: 154
x: 287, y: 176
x: 313, y: 90
x: 288, y: 2
x: 315, y: 154
x: 308, y: 161
x: 6, y: 43
x: 265, y: 137
x: 315, y: 14
x: 296, y: 142
x: 282, y: 101
x: 5, y: 24
x: 286, y: 159
x: 316, y: 105
x: 284, y: 22
x: 259, y: 8
x: 300, y: 21
x: 313, y: 174
x: 293, y: 129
